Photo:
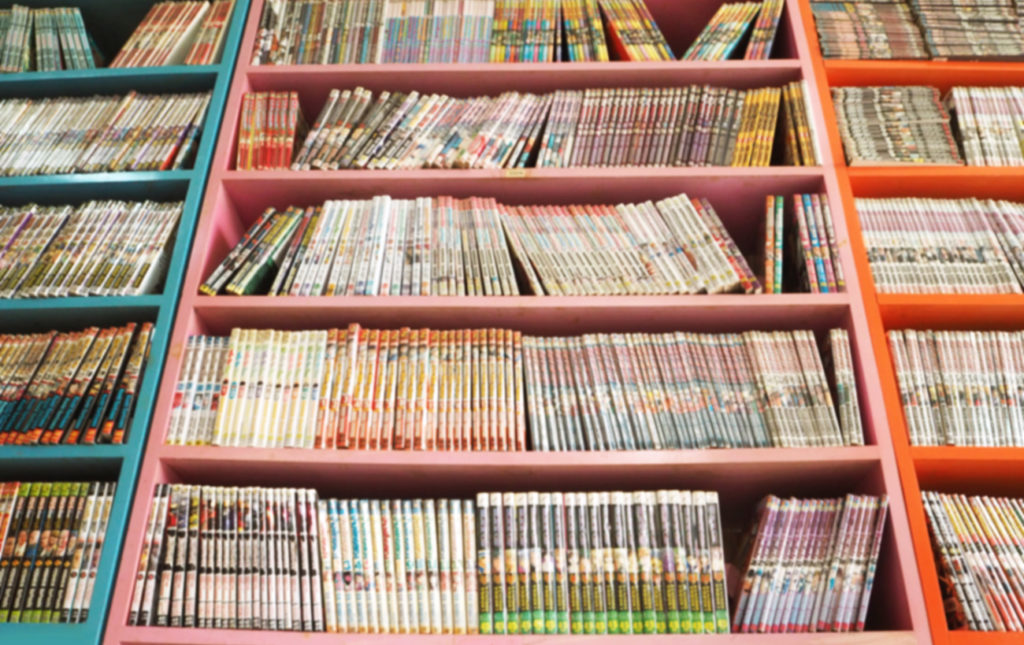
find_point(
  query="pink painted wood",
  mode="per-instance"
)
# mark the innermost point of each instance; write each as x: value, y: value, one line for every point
x: 233, y: 199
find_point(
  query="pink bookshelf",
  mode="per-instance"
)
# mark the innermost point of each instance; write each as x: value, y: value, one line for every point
x: 234, y: 199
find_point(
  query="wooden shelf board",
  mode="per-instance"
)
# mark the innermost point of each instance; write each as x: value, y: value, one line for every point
x: 942, y: 74
x: 969, y: 470
x: 531, y: 314
x: 169, y: 636
x: 946, y: 311
x: 456, y: 472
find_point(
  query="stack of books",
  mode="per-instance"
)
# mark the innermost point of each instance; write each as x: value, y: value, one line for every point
x: 731, y: 25
x: 989, y: 124
x: 101, y: 248
x: 870, y: 29
x: 895, y: 125
x: 53, y: 535
x: 45, y: 40
x: 617, y: 562
x: 810, y: 240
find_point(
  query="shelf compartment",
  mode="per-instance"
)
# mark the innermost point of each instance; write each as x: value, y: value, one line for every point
x: 741, y: 482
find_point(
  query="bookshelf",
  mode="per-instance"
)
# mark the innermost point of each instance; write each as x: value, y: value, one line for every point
x: 233, y: 199
x: 968, y: 470
x: 118, y: 463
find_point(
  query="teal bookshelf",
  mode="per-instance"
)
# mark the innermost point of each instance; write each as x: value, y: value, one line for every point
x: 110, y: 22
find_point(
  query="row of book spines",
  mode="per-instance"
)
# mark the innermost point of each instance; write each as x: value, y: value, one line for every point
x: 160, y: 33
x: 59, y: 35
x: 469, y: 247
x: 619, y: 562
x: 822, y: 266
x: 209, y: 43
x: 268, y: 128
x: 471, y: 390
x: 52, y: 535
x: 975, y: 540
x: 123, y: 133
x: 731, y: 23
x: 503, y: 32
x: 707, y: 126
x: 71, y: 388
x: 828, y: 548
x: 40, y: 252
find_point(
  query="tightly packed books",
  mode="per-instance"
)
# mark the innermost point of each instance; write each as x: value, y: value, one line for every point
x: 50, y: 136
x: 497, y: 389
x: 811, y: 243
x: 869, y: 29
x: 988, y: 123
x: 811, y: 564
x: 44, y: 40
x: 101, y: 248
x: 924, y: 245
x: 456, y: 31
x: 891, y: 125
x: 941, y: 29
x: 976, y: 542
x: 960, y: 388
x: 731, y: 24
x: 267, y: 130
x: 647, y: 392
x: 680, y: 126
x: 616, y: 562
x: 52, y: 535
x: 477, y: 246
x: 971, y: 28
x: 71, y: 387
x: 189, y: 32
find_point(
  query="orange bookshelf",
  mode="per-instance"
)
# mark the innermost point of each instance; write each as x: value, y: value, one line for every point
x: 969, y: 470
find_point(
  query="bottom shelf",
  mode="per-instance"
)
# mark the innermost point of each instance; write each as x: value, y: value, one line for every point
x: 178, y: 636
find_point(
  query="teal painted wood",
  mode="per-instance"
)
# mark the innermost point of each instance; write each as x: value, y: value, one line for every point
x: 120, y: 463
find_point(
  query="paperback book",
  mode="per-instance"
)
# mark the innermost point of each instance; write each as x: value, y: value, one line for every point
x: 615, y: 562
x: 177, y: 32
x: 960, y: 388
